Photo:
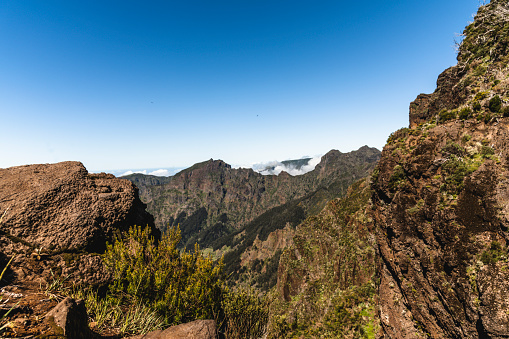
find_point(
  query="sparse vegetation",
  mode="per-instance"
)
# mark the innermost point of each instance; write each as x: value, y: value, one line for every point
x: 398, y: 176
x: 457, y: 169
x: 493, y: 254
x: 1, y: 298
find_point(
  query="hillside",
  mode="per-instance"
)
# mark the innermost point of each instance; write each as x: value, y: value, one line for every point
x: 326, y: 278
x: 441, y: 195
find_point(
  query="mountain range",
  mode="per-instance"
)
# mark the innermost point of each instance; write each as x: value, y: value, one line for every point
x: 412, y: 242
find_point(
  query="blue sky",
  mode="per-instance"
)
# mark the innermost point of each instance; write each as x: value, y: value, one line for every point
x: 132, y: 84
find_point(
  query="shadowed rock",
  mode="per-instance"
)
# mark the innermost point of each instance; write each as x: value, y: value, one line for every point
x: 198, y: 329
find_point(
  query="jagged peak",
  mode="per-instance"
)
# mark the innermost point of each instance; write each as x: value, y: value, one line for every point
x: 487, y: 35
x: 464, y: 91
x: 210, y: 165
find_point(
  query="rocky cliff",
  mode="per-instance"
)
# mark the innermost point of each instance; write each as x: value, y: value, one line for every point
x: 441, y: 191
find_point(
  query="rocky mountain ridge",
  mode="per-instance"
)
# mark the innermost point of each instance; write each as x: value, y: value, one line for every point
x: 210, y: 200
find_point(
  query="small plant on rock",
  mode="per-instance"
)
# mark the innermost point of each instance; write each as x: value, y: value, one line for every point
x: 465, y: 113
x: 505, y: 111
x: 446, y: 115
x: 495, y: 104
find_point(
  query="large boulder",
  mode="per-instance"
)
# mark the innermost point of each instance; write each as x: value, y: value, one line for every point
x: 63, y: 207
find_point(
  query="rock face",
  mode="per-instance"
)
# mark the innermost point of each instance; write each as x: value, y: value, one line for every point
x: 441, y: 192
x: 63, y: 207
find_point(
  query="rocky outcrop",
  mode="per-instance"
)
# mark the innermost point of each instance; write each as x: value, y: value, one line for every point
x: 482, y: 57
x: 448, y: 95
x: 56, y: 216
x: 69, y: 318
x: 56, y: 219
x: 63, y: 207
x: 441, y: 195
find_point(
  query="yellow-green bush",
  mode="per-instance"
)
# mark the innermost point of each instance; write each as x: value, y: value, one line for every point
x: 246, y: 314
x: 180, y: 286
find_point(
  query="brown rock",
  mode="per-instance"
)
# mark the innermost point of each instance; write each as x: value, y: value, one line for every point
x: 69, y: 318
x: 63, y: 207
x: 198, y: 329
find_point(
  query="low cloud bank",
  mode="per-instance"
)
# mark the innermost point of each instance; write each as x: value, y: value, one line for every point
x: 292, y: 167
x: 162, y: 172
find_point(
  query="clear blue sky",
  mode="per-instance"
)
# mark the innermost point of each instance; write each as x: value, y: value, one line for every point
x: 147, y: 84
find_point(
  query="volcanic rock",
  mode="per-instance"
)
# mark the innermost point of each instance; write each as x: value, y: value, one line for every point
x: 63, y: 207
x: 69, y: 318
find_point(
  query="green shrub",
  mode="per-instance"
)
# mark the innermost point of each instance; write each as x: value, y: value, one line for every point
x: 495, y: 104
x: 480, y: 70
x: 466, y: 138
x: 246, y: 314
x: 494, y: 254
x: 397, y: 177
x: 480, y: 95
x: 453, y: 148
x: 505, y: 111
x: 456, y: 170
x: 465, y: 113
x: 353, y: 312
x: 399, y: 134
x: 476, y: 106
x: 486, y: 118
x: 180, y: 286
x: 446, y: 115
x: 487, y: 151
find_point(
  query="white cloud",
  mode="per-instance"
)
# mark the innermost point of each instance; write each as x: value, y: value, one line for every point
x: 161, y: 173
x: 276, y: 167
